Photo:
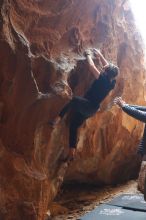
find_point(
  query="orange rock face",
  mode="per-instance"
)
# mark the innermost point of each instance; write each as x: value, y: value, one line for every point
x: 41, y: 44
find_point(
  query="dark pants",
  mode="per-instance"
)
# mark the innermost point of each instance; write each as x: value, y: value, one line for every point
x: 82, y: 109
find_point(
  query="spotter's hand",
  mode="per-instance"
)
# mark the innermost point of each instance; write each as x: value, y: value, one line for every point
x: 119, y: 101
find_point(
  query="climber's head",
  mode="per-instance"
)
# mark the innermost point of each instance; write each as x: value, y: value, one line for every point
x: 111, y: 71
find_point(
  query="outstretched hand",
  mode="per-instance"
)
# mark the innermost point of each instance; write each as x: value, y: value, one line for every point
x: 119, y: 101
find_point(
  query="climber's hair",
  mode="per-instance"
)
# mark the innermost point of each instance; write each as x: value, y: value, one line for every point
x: 111, y: 70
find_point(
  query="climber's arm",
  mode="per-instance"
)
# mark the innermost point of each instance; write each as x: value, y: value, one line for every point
x: 92, y: 66
x: 99, y: 55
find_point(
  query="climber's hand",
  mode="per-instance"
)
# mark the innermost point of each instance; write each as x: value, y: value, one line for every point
x: 97, y: 53
x: 87, y: 53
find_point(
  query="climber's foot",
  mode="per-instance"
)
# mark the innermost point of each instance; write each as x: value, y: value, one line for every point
x: 51, y: 123
x: 55, y: 122
x: 69, y: 157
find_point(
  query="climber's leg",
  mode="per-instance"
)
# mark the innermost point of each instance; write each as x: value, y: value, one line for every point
x: 61, y: 114
x: 81, y: 105
x: 76, y: 121
x: 77, y: 104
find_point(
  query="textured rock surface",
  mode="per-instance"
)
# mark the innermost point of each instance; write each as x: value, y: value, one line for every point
x: 142, y: 176
x: 47, y: 38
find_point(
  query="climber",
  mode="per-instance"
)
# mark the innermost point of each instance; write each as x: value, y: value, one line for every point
x: 87, y: 106
x: 139, y: 113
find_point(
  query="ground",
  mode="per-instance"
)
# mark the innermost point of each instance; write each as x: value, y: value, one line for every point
x: 74, y: 201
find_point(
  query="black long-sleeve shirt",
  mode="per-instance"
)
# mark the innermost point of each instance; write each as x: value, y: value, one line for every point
x: 142, y: 108
x: 99, y: 89
x: 139, y: 113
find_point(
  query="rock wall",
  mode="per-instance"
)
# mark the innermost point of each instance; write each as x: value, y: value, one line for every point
x: 43, y: 42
